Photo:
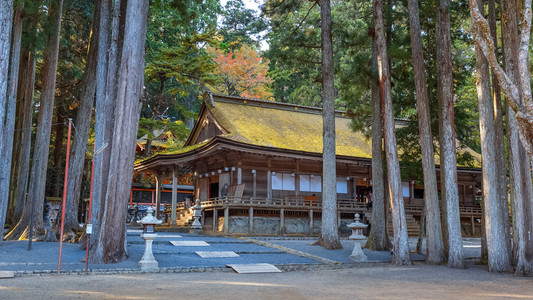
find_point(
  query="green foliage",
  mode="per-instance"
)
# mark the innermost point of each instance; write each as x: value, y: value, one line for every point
x: 240, y: 26
x: 177, y: 66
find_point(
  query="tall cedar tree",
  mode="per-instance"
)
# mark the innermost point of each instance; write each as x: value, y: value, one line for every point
x: 106, y: 74
x: 400, y: 244
x: 36, y: 192
x: 448, y: 160
x: 329, y: 237
x: 514, y: 82
x: 83, y: 124
x: 7, y: 109
x: 127, y: 111
x: 435, y: 247
x: 378, y: 238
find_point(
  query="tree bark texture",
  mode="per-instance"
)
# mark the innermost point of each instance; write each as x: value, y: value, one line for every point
x: 378, y: 239
x: 401, y: 253
x: 83, y: 124
x: 25, y: 95
x: 518, y: 93
x: 7, y: 107
x: 499, y: 137
x: 497, y: 240
x: 42, y: 141
x: 329, y: 236
x: 13, y: 92
x: 448, y: 158
x: 521, y: 187
x: 435, y: 246
x: 106, y: 74
x: 127, y: 112
x: 57, y: 162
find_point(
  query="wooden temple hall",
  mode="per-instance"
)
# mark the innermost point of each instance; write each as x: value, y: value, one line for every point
x: 257, y: 168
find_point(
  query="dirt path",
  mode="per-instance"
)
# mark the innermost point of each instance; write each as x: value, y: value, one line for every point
x: 379, y: 282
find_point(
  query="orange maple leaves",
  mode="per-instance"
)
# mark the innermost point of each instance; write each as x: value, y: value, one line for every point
x: 242, y: 72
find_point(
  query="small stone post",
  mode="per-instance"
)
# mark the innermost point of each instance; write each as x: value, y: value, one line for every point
x: 148, y: 262
x: 357, y: 235
x: 196, y: 226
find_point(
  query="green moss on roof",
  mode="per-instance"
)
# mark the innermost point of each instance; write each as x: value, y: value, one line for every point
x: 287, y: 129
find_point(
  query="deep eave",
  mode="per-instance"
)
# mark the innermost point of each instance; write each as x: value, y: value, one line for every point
x: 219, y: 143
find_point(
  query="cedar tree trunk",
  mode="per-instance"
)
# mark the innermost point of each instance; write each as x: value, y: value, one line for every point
x: 435, y: 246
x: 401, y: 253
x: 448, y: 165
x: 329, y: 237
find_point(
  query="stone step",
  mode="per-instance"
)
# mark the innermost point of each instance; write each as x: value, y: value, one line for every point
x: 254, y: 268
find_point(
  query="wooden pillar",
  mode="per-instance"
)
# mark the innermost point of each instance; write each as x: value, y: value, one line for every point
x: 282, y: 221
x: 215, y: 220
x: 311, y: 222
x: 251, y: 220
x: 157, y: 195
x: 297, y: 184
x: 203, y: 218
x: 174, y: 196
x: 411, y: 190
x: 226, y: 219
x: 473, y: 225
x: 239, y: 175
x: 338, y: 219
x: 269, y: 185
x: 254, y: 172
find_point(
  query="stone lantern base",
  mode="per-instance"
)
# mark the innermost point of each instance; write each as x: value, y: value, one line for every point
x: 357, y: 253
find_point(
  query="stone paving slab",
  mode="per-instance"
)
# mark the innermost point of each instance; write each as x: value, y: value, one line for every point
x: 216, y: 254
x: 189, y: 243
x: 254, y: 268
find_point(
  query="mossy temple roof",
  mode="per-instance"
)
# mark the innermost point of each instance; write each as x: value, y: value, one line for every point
x: 273, y: 125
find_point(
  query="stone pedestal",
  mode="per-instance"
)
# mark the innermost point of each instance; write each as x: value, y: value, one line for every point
x: 148, y: 262
x: 357, y: 236
x: 196, y: 226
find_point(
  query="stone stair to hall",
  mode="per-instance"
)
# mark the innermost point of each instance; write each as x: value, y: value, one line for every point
x: 413, y: 226
x: 184, y: 217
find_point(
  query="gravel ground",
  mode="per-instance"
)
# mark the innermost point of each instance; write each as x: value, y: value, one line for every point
x: 374, y: 282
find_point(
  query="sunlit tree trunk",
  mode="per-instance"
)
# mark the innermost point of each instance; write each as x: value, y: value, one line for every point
x: 106, y: 75
x: 329, y: 236
x: 448, y: 165
x: 435, y: 247
x: 127, y: 112
x: 401, y: 254
x: 378, y: 239
x: 519, y: 168
x: 495, y: 228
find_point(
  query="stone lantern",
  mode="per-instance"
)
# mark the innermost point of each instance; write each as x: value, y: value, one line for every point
x: 148, y: 262
x: 196, y: 226
x: 357, y: 236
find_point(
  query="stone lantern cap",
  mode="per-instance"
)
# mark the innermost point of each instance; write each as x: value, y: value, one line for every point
x: 357, y: 228
x: 149, y: 219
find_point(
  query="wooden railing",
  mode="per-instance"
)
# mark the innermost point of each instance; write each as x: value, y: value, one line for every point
x: 302, y: 203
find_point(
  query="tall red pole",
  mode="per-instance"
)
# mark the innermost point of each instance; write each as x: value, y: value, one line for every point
x: 64, y: 200
x: 87, y: 236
